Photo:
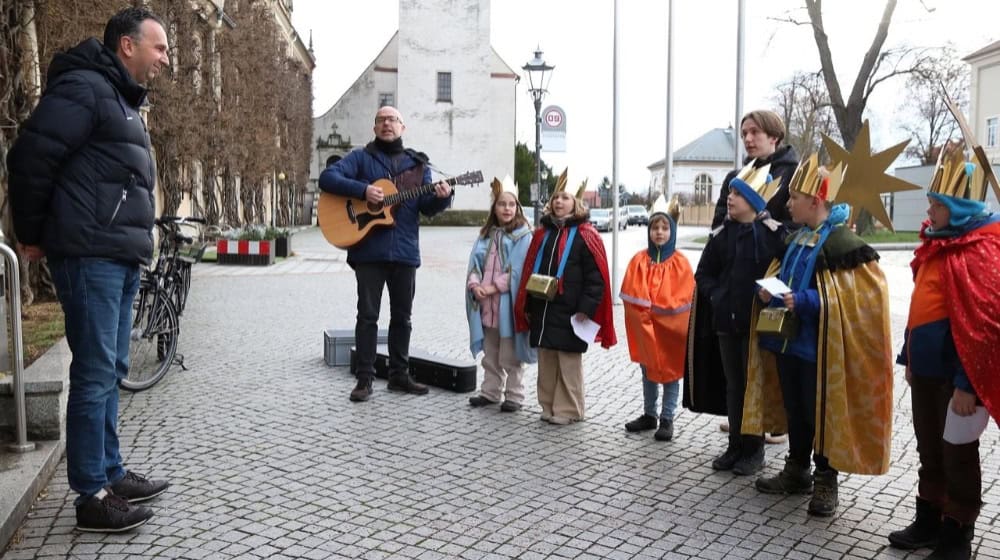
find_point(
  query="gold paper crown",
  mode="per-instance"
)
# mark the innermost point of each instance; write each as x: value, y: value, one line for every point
x: 563, y: 180
x: 813, y: 180
x: 661, y: 206
x: 757, y: 179
x: 505, y: 186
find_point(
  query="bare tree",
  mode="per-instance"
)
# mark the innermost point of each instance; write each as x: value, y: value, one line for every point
x: 879, y: 64
x: 932, y: 123
x: 803, y: 103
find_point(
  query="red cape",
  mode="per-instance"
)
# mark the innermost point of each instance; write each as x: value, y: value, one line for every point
x: 969, y: 276
x: 604, y: 316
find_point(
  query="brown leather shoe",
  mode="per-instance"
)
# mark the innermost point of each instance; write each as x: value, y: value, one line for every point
x: 406, y: 384
x: 363, y: 390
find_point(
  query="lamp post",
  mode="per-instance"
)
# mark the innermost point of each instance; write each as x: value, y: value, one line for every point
x: 539, y: 74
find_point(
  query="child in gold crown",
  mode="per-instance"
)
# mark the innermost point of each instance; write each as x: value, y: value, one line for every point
x: 493, y: 278
x: 950, y: 354
x: 568, y: 254
x: 833, y: 373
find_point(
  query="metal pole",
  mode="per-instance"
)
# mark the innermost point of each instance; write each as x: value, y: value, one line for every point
x: 537, y: 94
x: 740, y: 40
x: 13, y: 286
x: 614, y: 161
x: 668, y: 157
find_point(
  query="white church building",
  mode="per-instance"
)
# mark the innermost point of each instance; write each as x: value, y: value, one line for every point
x: 457, y: 98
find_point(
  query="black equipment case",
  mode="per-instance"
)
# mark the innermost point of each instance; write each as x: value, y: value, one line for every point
x: 426, y: 368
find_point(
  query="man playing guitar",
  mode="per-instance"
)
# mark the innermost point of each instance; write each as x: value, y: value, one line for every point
x: 386, y: 256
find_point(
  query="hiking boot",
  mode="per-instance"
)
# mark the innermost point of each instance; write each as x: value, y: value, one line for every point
x: 510, y: 406
x: 137, y: 488
x: 751, y: 461
x: 108, y: 513
x: 727, y: 460
x: 923, y: 532
x: 824, y: 501
x: 793, y: 479
x: 480, y: 401
x: 955, y: 542
x: 666, y: 431
x: 363, y: 390
x: 406, y: 384
x: 641, y: 424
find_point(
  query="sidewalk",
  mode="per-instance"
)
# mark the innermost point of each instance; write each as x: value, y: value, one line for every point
x: 269, y: 459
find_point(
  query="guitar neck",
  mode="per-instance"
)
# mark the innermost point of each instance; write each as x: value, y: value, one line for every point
x: 413, y: 193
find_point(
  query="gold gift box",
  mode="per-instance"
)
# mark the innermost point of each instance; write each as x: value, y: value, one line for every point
x: 778, y: 321
x: 542, y: 286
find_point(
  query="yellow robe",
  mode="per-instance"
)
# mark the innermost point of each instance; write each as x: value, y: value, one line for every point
x: 853, y: 367
x: 657, y: 299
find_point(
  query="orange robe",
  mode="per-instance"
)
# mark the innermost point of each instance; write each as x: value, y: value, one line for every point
x: 657, y: 299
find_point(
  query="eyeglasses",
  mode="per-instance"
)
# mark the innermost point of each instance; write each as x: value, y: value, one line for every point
x: 389, y: 119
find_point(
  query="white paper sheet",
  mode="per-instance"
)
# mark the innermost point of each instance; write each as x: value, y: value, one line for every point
x: 585, y: 329
x: 965, y: 429
x: 774, y: 286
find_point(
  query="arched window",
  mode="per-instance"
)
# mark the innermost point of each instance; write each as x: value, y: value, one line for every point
x: 703, y: 189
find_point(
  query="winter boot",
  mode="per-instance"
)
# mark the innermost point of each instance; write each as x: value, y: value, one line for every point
x: 363, y: 390
x: 665, y: 431
x: 923, y: 532
x: 955, y: 542
x: 824, y: 501
x: 727, y: 460
x: 793, y: 479
x: 751, y: 459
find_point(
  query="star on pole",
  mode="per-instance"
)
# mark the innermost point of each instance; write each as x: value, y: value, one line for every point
x: 865, y: 180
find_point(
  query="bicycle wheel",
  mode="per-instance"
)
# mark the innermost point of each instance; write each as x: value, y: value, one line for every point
x: 153, y: 342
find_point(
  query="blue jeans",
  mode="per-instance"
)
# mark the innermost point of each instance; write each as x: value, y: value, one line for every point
x: 96, y: 296
x: 651, y: 390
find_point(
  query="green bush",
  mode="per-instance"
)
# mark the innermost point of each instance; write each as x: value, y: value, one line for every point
x: 474, y: 218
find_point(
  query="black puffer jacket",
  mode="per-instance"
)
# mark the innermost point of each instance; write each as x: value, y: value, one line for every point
x: 81, y: 171
x: 583, y: 288
x: 783, y: 162
x: 732, y: 262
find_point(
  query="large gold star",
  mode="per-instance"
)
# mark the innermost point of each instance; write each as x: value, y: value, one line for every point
x: 865, y: 180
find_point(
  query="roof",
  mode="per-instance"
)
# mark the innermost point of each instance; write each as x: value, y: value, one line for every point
x: 988, y: 49
x: 716, y: 145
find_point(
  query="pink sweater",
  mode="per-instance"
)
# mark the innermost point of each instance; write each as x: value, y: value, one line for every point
x: 489, y: 306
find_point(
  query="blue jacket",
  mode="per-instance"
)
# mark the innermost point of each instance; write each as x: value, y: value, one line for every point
x: 400, y: 243
x: 81, y: 171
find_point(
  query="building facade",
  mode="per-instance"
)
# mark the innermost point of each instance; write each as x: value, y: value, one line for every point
x: 455, y: 93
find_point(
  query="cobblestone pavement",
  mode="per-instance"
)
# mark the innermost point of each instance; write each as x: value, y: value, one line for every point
x: 269, y: 459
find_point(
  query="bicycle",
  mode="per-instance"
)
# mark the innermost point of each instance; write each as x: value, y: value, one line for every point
x: 161, y: 298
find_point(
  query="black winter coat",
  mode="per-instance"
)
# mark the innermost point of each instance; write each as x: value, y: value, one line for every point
x: 733, y: 260
x: 783, y: 162
x: 81, y: 171
x: 583, y: 288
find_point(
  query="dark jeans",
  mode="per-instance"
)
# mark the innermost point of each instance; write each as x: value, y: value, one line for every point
x: 950, y: 475
x: 401, y: 280
x: 734, y: 349
x: 798, y: 391
x: 96, y: 297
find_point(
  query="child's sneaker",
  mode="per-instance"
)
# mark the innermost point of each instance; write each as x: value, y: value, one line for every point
x: 666, y: 431
x: 641, y: 424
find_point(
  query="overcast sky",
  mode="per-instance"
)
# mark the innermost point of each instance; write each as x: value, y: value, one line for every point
x: 577, y: 38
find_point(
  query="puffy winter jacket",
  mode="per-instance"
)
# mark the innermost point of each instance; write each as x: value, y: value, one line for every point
x: 400, y: 243
x: 81, y: 171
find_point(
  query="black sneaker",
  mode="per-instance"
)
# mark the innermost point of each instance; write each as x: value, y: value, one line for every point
x: 510, y: 406
x: 727, y: 460
x: 480, y: 401
x: 137, y: 488
x: 110, y: 514
x: 406, y: 384
x: 666, y: 431
x: 641, y: 424
x: 363, y: 390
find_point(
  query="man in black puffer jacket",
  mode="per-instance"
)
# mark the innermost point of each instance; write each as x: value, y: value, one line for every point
x: 762, y: 133
x: 81, y: 190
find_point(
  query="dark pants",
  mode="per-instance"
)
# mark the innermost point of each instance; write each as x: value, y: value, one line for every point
x: 798, y: 391
x: 401, y: 280
x: 949, y: 474
x: 96, y: 297
x: 734, y: 349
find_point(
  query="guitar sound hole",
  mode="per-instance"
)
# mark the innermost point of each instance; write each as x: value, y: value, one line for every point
x: 374, y: 207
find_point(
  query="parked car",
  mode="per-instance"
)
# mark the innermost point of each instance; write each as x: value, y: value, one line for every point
x: 637, y: 215
x: 601, y: 218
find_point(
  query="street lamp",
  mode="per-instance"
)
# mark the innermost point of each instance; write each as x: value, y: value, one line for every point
x: 539, y: 74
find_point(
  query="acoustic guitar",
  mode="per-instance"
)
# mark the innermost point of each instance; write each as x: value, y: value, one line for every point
x: 345, y: 221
